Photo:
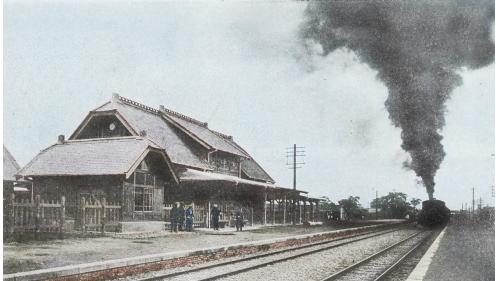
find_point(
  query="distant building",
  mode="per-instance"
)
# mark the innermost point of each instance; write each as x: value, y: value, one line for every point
x: 10, y: 169
x: 145, y: 158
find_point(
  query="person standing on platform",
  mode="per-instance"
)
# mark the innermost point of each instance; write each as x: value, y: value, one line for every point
x: 239, y: 221
x: 215, y: 213
x: 181, y: 217
x: 189, y: 218
x: 173, y: 218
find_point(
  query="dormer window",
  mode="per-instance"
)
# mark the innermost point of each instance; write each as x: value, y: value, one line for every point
x: 102, y: 126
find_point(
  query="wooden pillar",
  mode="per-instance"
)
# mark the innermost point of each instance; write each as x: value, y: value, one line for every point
x: 62, y: 215
x: 284, y: 210
x: 311, y: 213
x: 305, y: 210
x: 274, y: 210
x: 37, y: 216
x: 265, y: 206
x: 12, y: 216
x: 82, y: 214
x: 252, y: 216
x: 103, y: 216
x: 317, y: 211
x: 208, y: 217
x: 300, y: 211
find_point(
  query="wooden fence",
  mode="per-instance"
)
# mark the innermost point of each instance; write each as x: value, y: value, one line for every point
x: 96, y: 215
x: 35, y: 216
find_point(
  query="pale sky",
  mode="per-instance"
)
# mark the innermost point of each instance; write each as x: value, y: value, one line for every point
x: 241, y: 68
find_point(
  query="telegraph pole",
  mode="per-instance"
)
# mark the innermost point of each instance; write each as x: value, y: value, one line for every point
x: 376, y: 204
x: 473, y: 202
x: 294, y: 167
x: 298, y: 151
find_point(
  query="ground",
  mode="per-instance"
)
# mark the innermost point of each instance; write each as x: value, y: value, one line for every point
x: 33, y: 255
x: 466, y: 252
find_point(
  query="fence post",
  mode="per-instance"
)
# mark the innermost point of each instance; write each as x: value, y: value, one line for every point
x: 37, y: 216
x: 103, y: 214
x: 62, y: 214
x: 252, y: 215
x: 12, y: 215
x: 82, y: 214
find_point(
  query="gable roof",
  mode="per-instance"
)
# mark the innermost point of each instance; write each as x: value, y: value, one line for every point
x: 10, y: 166
x: 201, y: 131
x: 105, y: 156
x: 158, y: 131
x: 160, y: 126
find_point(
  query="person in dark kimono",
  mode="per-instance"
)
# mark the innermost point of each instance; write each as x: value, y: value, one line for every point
x: 189, y: 218
x: 180, y: 217
x: 215, y: 214
x: 173, y: 218
x: 239, y: 221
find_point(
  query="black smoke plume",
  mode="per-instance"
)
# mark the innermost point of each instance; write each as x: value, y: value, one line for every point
x: 417, y: 48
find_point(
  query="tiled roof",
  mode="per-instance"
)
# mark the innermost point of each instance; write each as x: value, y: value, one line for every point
x: 142, y: 117
x: 212, y: 138
x: 251, y: 168
x: 111, y: 156
x: 254, y: 171
x: 10, y: 166
x: 158, y: 130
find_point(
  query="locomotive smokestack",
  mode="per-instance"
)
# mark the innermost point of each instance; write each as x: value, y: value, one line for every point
x: 416, y: 47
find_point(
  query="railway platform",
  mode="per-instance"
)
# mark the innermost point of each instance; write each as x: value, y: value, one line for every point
x: 465, y: 251
x: 69, y: 257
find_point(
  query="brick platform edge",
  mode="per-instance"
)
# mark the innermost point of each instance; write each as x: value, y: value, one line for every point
x: 420, y: 270
x: 111, y: 269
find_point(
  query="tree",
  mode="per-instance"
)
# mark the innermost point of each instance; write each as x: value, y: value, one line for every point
x: 327, y: 205
x: 329, y: 208
x: 393, y: 205
x: 351, y: 206
x: 415, y: 202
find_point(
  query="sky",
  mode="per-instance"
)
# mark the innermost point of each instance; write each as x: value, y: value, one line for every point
x: 242, y: 68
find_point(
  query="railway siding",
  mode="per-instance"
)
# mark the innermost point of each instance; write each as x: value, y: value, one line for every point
x: 112, y: 269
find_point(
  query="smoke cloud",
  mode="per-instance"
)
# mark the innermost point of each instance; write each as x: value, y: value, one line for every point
x: 417, y: 47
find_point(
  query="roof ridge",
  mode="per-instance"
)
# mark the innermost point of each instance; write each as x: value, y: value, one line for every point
x: 105, y: 139
x: 174, y: 113
x: 137, y: 104
x: 224, y: 136
x: 182, y: 116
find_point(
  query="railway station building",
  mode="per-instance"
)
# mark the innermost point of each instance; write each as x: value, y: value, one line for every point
x: 144, y: 160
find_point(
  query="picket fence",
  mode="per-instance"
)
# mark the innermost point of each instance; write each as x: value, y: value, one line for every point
x: 96, y: 215
x: 35, y: 216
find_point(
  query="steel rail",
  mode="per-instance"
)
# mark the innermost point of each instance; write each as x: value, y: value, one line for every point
x: 189, y: 271
x: 230, y: 273
x: 354, y: 266
x: 391, y: 268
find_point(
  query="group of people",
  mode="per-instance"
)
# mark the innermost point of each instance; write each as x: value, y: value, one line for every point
x: 181, y: 219
x: 215, y: 214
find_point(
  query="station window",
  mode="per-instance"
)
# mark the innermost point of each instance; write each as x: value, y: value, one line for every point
x: 143, y: 199
x: 144, y: 184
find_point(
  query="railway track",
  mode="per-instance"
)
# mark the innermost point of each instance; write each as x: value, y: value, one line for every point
x: 380, y: 265
x: 234, y: 267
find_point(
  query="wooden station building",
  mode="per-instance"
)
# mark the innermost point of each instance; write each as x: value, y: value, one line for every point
x: 145, y: 159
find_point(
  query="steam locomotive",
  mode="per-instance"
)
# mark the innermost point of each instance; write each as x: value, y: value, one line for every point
x: 434, y: 213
